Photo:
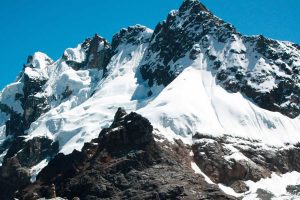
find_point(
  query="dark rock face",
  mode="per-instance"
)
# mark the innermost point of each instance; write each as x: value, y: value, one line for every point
x: 98, y: 53
x: 293, y: 189
x: 265, y: 195
x: 12, y: 176
x: 36, y: 150
x: 178, y: 35
x: 33, y: 107
x: 124, y: 162
x: 284, y: 97
x: 228, y: 162
x: 134, y: 35
x: 213, y: 161
x: 14, y: 172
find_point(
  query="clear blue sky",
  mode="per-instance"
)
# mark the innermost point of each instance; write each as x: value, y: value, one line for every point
x: 50, y: 26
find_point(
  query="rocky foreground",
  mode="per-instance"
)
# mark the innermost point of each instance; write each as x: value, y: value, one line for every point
x: 124, y: 162
x: 129, y: 161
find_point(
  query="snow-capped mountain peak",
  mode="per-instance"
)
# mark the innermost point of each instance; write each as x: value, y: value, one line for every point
x: 202, y: 85
x: 192, y: 6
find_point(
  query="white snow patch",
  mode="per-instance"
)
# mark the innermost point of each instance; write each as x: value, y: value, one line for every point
x: 7, y: 96
x: 40, y: 60
x: 276, y: 184
x: 74, y: 125
x: 2, y: 155
x: 199, y: 171
x: 2, y: 133
x: 235, y: 154
x: 75, y: 54
x: 37, y: 169
x: 229, y: 190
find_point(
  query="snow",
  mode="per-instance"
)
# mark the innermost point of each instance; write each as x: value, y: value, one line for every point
x: 276, y: 184
x: 192, y: 103
x: 40, y: 60
x: 75, y: 54
x: 37, y: 168
x: 235, y: 154
x: 2, y: 155
x: 2, y: 134
x: 198, y: 171
x: 33, y: 73
x: 3, y: 118
x: 205, y: 107
x: 7, y: 96
x: 229, y: 190
x: 72, y: 126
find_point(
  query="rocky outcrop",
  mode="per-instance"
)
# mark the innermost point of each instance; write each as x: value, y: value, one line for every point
x: 35, y: 150
x: 15, y: 169
x: 230, y: 161
x: 182, y: 33
x: 133, y: 35
x: 124, y: 162
x: 12, y: 177
x: 97, y: 54
x: 33, y: 106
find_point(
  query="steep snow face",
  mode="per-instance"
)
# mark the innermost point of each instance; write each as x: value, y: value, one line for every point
x: 194, y: 102
x: 73, y: 127
x: 7, y: 97
x: 44, y: 85
x: 264, y: 70
x: 83, y: 101
x: 75, y: 54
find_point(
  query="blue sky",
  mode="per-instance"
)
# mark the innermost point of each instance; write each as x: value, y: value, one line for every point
x: 50, y: 26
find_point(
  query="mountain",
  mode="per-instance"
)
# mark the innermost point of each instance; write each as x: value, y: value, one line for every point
x: 208, y: 114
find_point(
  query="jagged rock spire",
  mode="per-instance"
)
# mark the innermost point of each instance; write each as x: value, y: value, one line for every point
x: 134, y: 35
x: 193, y: 6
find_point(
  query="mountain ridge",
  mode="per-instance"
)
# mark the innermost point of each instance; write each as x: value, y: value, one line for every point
x: 187, y: 77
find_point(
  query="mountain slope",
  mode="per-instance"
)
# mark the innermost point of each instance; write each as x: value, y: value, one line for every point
x: 124, y: 162
x: 193, y: 75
